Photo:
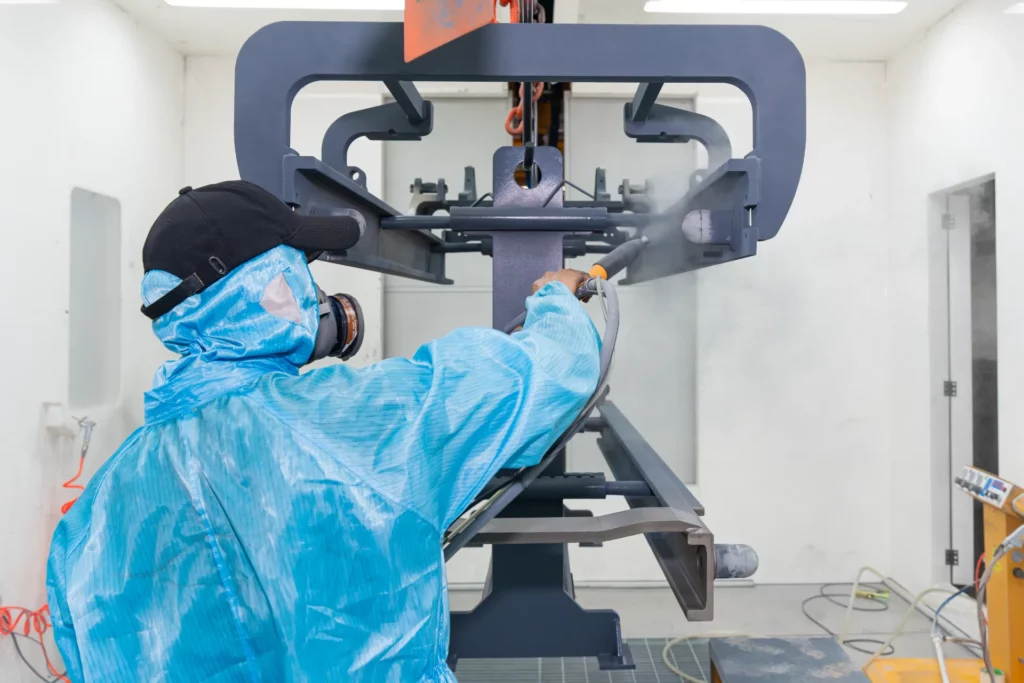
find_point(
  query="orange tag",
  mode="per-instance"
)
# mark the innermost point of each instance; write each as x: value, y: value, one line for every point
x: 430, y: 24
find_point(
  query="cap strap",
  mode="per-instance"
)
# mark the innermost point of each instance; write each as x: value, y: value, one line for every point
x: 186, y: 288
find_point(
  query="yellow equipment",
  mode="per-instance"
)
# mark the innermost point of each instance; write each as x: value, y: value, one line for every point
x: 1004, y: 595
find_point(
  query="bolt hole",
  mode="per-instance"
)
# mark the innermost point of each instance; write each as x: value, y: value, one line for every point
x: 521, y: 176
x: 391, y: 131
x: 355, y: 175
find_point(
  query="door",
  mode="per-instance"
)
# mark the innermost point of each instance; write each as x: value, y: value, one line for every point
x: 970, y: 384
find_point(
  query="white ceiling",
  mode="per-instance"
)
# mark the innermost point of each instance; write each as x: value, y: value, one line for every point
x: 222, y: 31
x: 849, y: 38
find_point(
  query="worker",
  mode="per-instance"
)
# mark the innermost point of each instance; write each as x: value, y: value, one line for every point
x: 267, y: 525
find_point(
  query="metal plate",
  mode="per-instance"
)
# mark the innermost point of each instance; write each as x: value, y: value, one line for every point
x: 429, y: 24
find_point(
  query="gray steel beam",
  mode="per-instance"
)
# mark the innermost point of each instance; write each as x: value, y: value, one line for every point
x: 573, y: 486
x: 686, y: 558
x: 610, y: 527
x: 663, y: 481
x: 320, y: 189
x: 510, y: 218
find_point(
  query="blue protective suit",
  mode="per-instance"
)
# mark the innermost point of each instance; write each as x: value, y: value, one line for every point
x: 269, y: 526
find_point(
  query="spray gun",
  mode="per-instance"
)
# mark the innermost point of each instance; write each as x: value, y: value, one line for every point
x: 612, y: 264
x: 608, y: 267
x: 85, y: 425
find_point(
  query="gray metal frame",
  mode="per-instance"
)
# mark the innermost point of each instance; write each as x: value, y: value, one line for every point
x: 528, y: 608
x: 281, y: 59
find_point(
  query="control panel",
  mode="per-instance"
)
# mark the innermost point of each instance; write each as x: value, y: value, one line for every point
x: 985, y: 487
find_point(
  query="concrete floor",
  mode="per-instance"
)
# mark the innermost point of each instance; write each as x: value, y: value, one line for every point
x: 763, y: 610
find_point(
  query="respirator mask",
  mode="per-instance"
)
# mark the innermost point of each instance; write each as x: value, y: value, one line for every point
x: 340, y: 333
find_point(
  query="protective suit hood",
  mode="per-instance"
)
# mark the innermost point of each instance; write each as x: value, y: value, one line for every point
x: 261, y: 318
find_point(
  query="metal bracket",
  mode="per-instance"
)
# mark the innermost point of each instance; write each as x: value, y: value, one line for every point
x: 662, y: 123
x: 468, y: 193
x: 730, y: 199
x: 384, y: 122
x: 439, y: 189
x: 636, y: 198
x: 600, y: 191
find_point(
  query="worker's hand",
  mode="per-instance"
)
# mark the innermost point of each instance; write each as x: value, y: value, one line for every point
x: 568, y: 277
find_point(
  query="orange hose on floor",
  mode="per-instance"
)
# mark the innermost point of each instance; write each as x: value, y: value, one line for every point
x: 36, y: 622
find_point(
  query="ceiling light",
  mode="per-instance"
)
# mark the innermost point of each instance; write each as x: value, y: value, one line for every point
x: 1016, y: 9
x: 349, y: 5
x: 776, y: 6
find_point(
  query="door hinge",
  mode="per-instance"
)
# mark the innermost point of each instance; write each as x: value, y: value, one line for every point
x: 948, y: 221
x: 949, y: 389
x: 952, y: 558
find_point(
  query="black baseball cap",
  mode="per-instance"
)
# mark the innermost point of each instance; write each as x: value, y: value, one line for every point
x: 207, y: 232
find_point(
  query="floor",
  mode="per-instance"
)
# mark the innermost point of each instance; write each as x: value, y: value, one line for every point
x: 650, y: 617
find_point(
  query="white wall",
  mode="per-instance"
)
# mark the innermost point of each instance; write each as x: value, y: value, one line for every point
x: 90, y: 100
x: 210, y: 158
x: 954, y: 109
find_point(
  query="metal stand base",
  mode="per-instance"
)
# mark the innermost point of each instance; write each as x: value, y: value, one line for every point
x: 524, y: 615
x: 505, y: 628
x: 616, y: 663
x: 529, y: 607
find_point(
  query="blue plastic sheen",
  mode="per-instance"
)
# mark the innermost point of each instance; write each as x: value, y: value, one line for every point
x: 266, y: 525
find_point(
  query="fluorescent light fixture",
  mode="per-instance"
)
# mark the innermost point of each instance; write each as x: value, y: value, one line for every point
x: 776, y: 6
x: 347, y: 5
x: 1016, y: 9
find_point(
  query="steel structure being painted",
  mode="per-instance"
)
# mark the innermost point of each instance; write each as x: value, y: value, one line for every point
x: 528, y: 609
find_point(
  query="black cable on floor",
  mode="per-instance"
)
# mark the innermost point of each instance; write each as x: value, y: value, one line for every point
x: 24, y: 659
x: 831, y: 597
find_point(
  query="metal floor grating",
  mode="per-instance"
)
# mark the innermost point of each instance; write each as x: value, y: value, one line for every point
x: 690, y: 657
